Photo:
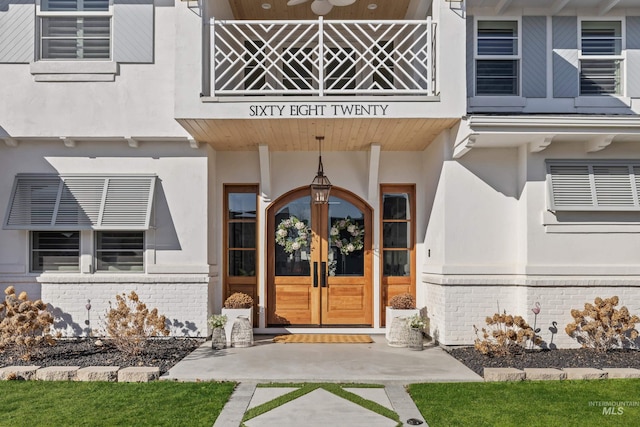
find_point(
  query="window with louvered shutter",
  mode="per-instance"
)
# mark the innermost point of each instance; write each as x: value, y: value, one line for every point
x: 497, y: 58
x: 75, y: 29
x: 120, y: 251
x: 55, y: 251
x: 53, y: 202
x: 601, y: 58
x: 587, y: 186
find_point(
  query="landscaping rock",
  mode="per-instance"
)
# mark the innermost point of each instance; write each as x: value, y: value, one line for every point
x: 21, y: 373
x: 503, y: 374
x: 585, y: 374
x: 98, y: 373
x: 138, y: 375
x: 57, y: 373
x: 622, y: 372
x: 535, y: 374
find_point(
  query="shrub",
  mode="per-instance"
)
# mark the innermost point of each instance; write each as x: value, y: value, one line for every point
x: 403, y: 302
x: 130, y: 324
x: 24, y: 324
x: 603, y: 327
x: 505, y: 334
x: 238, y: 300
x: 217, y: 321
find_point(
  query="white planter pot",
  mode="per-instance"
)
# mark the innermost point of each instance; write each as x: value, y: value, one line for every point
x: 232, y: 314
x: 392, y: 312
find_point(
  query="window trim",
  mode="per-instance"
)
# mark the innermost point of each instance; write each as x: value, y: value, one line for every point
x: 622, y: 57
x: 40, y: 13
x: 517, y: 58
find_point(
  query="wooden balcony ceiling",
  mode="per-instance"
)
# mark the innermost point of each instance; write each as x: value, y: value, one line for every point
x: 298, y: 134
x: 252, y: 9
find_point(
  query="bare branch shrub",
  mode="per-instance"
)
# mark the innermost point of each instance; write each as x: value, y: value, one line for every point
x: 130, y: 324
x: 505, y: 334
x: 603, y: 327
x: 24, y: 324
x: 403, y: 302
x: 238, y: 300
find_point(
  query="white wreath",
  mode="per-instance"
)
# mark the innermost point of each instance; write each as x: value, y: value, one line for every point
x: 347, y: 236
x: 292, y: 234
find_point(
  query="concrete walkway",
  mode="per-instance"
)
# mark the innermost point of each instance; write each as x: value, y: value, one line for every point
x: 268, y: 362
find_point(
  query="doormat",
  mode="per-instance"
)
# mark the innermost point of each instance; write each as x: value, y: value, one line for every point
x: 323, y: 339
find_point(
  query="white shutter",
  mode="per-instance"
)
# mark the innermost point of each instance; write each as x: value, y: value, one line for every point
x: 127, y: 204
x: 570, y: 186
x: 613, y: 186
x: 599, y: 185
x: 80, y: 202
x: 52, y: 202
x: 33, y: 201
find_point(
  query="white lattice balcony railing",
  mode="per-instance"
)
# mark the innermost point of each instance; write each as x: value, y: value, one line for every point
x: 318, y: 58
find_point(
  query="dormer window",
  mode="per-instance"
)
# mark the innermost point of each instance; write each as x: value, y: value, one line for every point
x: 601, y: 58
x: 497, y: 58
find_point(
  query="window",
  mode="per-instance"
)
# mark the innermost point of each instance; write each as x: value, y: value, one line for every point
x: 75, y: 29
x: 601, y: 58
x: 340, y: 69
x: 383, y: 65
x: 398, y: 249
x: 119, y: 251
x: 55, y: 251
x: 240, y: 205
x: 298, y: 68
x: 255, y: 75
x: 497, y: 58
x: 593, y: 186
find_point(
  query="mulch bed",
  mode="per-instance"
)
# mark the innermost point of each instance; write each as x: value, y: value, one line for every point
x: 558, y: 358
x: 83, y: 352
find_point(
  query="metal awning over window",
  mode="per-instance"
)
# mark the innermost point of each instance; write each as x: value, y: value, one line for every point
x: 594, y: 186
x: 76, y: 202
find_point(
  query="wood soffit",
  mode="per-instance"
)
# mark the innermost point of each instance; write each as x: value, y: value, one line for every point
x: 253, y: 10
x: 392, y: 134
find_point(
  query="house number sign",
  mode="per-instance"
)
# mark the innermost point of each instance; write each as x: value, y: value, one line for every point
x: 318, y: 110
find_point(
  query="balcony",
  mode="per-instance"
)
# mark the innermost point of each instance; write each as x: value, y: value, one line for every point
x: 281, y: 82
x: 321, y: 58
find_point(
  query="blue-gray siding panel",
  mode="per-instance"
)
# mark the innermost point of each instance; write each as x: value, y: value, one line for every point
x: 633, y: 56
x: 133, y: 31
x: 565, y: 57
x: 17, y: 31
x: 470, y: 64
x: 534, y: 56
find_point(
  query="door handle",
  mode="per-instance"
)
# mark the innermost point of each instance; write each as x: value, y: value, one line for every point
x: 323, y: 274
x: 315, y: 274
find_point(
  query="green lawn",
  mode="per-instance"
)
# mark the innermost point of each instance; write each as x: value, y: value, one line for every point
x: 530, y: 403
x: 70, y: 404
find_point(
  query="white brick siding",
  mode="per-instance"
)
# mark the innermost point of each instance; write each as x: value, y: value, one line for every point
x: 182, y: 299
x: 455, y: 307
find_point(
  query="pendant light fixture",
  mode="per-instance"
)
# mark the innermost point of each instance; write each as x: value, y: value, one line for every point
x: 320, y: 186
